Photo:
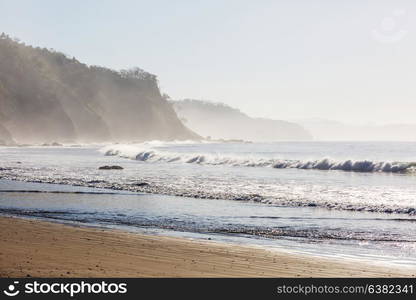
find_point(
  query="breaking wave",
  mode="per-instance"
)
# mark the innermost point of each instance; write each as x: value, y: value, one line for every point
x: 179, y: 174
x: 152, y: 155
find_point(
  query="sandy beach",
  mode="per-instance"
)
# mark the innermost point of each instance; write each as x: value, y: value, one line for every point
x: 44, y: 249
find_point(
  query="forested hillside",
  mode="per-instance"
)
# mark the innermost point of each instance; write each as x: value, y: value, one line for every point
x: 220, y: 121
x: 46, y: 96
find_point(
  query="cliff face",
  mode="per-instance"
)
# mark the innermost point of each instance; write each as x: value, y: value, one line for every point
x: 46, y: 96
x: 223, y: 122
x: 5, y: 137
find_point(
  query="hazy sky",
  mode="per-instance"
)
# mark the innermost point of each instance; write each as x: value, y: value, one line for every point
x: 350, y: 60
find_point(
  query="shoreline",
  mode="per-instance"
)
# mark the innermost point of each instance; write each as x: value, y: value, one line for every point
x: 34, y: 248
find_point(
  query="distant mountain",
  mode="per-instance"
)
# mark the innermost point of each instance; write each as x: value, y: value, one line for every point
x: 337, y: 131
x: 46, y: 96
x: 220, y: 121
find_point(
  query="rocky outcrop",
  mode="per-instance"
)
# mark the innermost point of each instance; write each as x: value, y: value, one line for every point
x: 110, y: 168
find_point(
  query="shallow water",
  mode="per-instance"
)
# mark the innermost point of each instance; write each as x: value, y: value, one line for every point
x: 366, y: 215
x: 379, y: 237
x: 222, y: 173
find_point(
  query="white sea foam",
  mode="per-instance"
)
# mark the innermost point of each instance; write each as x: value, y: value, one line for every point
x: 178, y: 170
x: 148, y: 153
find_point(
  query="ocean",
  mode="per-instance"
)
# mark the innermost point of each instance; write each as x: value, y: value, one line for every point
x: 336, y: 199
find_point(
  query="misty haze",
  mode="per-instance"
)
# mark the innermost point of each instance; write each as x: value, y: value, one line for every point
x: 207, y: 139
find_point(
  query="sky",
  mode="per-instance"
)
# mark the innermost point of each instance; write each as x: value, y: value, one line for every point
x: 351, y: 61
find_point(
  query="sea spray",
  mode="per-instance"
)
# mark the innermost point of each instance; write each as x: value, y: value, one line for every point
x: 153, y: 155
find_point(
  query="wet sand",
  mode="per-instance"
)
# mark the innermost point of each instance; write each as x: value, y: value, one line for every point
x: 44, y: 249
